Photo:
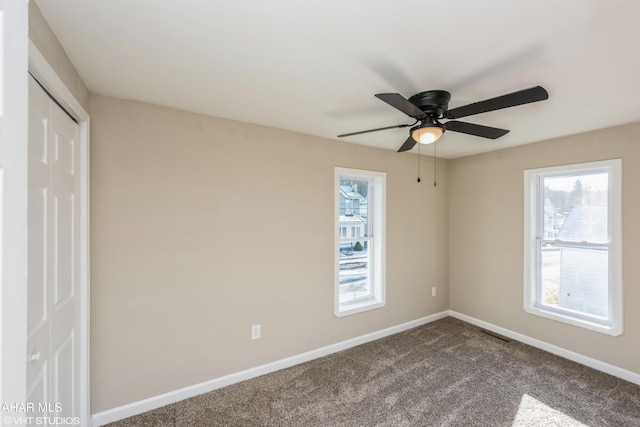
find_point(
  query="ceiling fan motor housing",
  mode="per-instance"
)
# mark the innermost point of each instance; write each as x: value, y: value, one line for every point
x: 432, y: 102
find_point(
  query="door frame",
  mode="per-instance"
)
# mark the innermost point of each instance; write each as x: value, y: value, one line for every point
x: 13, y: 202
x: 47, y: 77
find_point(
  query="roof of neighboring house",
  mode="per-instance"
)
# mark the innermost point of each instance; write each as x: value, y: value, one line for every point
x: 585, y: 223
x: 351, y: 218
x: 350, y: 193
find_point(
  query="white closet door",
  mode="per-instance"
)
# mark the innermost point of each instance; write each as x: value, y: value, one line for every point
x: 53, y: 304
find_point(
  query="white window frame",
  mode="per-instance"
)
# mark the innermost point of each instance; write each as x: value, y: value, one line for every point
x: 376, y: 215
x: 533, y: 205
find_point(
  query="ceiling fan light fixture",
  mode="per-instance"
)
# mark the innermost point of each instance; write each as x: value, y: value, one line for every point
x: 427, y: 133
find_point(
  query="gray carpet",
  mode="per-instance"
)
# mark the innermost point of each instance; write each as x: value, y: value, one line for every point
x: 445, y: 373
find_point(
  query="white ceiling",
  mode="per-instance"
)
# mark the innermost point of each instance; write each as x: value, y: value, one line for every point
x: 314, y: 66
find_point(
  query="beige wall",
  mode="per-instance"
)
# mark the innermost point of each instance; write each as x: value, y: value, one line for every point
x: 486, y: 220
x: 43, y: 38
x: 201, y: 227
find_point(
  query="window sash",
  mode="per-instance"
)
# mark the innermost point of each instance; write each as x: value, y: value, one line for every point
x: 354, y: 234
x: 583, y: 243
x: 349, y: 297
x: 370, y: 254
x: 534, y: 301
x: 541, y: 243
x: 580, y: 314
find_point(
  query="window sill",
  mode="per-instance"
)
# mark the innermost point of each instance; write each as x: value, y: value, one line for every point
x: 609, y: 330
x: 349, y: 309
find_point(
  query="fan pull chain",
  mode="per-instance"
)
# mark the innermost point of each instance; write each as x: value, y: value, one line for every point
x: 435, y: 156
x: 418, y: 162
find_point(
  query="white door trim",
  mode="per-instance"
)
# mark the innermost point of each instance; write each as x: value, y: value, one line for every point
x: 13, y: 201
x: 46, y: 75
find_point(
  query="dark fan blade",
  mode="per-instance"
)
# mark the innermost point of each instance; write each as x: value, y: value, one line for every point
x: 408, y: 145
x: 373, y: 130
x: 525, y: 96
x: 476, y: 130
x: 401, y: 103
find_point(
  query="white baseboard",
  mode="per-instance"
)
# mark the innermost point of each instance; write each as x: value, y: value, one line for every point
x: 558, y: 351
x: 135, y: 408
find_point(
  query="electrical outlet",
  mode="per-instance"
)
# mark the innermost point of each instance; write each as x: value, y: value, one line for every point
x: 433, y: 291
x: 255, y: 332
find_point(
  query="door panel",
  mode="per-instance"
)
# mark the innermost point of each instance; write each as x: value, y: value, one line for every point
x: 65, y: 314
x: 63, y: 374
x: 38, y: 390
x: 37, y: 288
x: 38, y: 306
x: 63, y: 231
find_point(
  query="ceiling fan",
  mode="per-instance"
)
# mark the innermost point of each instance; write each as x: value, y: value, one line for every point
x: 429, y: 107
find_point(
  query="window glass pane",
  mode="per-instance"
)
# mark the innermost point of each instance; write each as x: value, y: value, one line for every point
x: 354, y: 271
x: 576, y: 208
x: 354, y: 206
x: 575, y: 278
x: 550, y: 275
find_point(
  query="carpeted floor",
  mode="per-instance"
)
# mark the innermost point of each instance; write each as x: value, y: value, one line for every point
x: 445, y: 373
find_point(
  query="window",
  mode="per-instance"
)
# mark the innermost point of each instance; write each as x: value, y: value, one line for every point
x: 573, y: 248
x: 359, y: 258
